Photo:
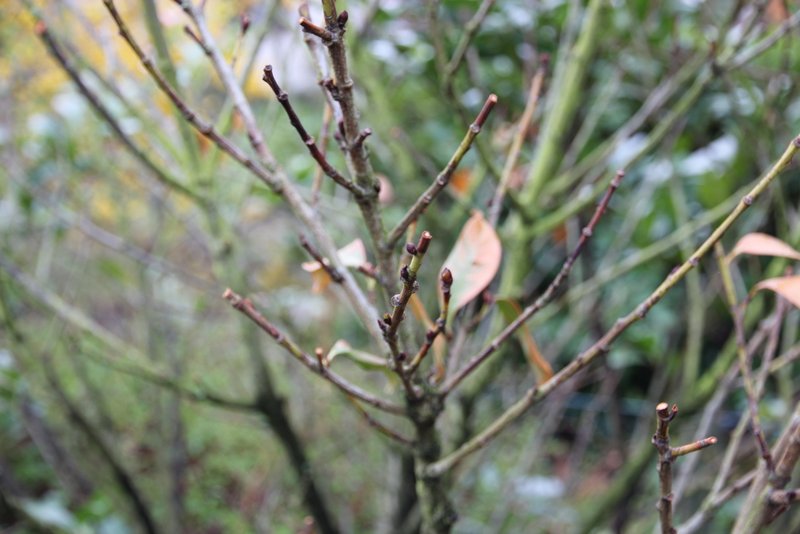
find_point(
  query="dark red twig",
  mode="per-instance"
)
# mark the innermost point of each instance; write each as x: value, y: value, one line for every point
x: 545, y: 297
x: 311, y: 145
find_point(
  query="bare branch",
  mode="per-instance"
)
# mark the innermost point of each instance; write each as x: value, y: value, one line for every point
x: 246, y: 307
x: 443, y: 178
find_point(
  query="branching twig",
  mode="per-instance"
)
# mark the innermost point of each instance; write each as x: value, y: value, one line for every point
x: 545, y: 297
x: 470, y: 29
x: 246, y: 307
x: 667, y: 455
x: 377, y: 425
x: 601, y: 346
x: 160, y: 172
x: 443, y: 178
x: 391, y: 322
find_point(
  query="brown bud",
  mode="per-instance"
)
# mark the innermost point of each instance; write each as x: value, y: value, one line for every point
x: 342, y: 19
x: 446, y: 277
x: 245, y: 22
x: 411, y: 248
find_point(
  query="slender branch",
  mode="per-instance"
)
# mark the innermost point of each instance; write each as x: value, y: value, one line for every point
x: 315, y: 152
x: 737, y: 311
x: 784, y: 497
x: 245, y: 306
x: 470, y: 29
x: 599, y: 348
x: 699, y: 518
x: 519, y: 138
x: 391, y: 323
x: 443, y: 178
x: 545, y: 297
x: 446, y: 279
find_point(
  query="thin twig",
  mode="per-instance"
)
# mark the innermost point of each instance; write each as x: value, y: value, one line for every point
x: 519, y: 138
x: 601, y: 346
x: 315, y: 152
x: 443, y: 178
x: 446, y: 280
x: 246, y: 307
x: 391, y: 323
x: 737, y: 311
x: 545, y: 297
x: 160, y: 173
x: 470, y: 29
x: 377, y: 425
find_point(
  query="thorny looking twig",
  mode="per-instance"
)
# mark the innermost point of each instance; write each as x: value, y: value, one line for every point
x: 391, y: 322
x: 667, y: 455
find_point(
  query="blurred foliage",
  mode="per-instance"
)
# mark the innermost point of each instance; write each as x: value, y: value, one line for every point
x: 88, y: 223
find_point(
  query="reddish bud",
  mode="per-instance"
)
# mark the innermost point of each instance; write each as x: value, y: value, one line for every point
x: 446, y: 277
x: 245, y: 22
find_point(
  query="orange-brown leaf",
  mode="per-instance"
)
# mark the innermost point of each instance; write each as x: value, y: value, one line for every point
x: 758, y: 244
x: 786, y: 286
x: 473, y: 261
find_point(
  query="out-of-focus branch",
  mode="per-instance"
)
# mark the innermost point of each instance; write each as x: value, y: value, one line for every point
x: 443, y: 178
x: 519, y: 138
x: 470, y: 29
x: 161, y: 173
x: 737, y: 311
